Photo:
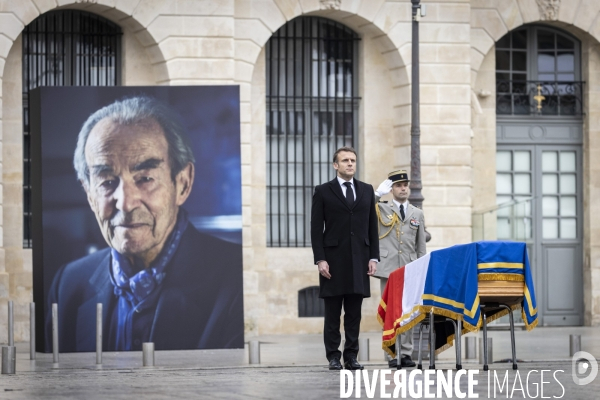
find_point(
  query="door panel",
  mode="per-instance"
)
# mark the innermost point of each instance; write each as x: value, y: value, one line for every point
x: 550, y: 222
x: 560, y: 279
x: 560, y: 245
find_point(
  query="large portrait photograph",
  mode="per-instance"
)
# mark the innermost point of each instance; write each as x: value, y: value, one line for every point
x: 136, y: 202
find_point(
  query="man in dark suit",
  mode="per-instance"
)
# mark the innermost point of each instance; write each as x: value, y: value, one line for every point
x: 346, y: 250
x: 161, y: 280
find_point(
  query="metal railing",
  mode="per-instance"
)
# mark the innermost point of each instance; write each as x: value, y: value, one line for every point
x: 312, y: 110
x: 558, y: 98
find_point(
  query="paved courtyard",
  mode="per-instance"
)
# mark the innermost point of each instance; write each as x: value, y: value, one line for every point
x: 292, y: 367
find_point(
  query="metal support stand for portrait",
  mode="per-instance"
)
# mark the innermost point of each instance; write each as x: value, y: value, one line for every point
x: 9, y: 353
x: 32, y: 331
x: 55, y: 334
x: 470, y: 347
x: 363, y: 349
x: 254, y: 352
x: 148, y: 354
x: 99, y: 333
x: 574, y: 344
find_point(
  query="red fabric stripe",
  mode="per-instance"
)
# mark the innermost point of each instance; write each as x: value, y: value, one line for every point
x: 392, y: 297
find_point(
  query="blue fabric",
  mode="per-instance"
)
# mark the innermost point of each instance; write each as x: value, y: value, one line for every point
x: 138, y: 292
x: 199, y: 304
x: 452, y: 279
x: 451, y: 282
x: 495, y: 255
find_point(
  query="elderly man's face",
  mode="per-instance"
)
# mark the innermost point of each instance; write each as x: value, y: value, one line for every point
x: 131, y: 190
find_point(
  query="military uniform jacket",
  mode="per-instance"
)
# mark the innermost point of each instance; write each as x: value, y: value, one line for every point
x: 344, y: 236
x: 403, y: 242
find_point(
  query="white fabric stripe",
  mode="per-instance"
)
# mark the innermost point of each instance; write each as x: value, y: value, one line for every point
x: 415, y: 274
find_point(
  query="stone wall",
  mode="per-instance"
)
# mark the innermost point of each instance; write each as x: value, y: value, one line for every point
x: 209, y: 42
x: 591, y: 179
x: 15, y: 261
x: 483, y: 97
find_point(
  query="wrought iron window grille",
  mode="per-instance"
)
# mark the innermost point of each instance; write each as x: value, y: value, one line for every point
x: 65, y: 48
x: 312, y: 110
x: 542, y: 98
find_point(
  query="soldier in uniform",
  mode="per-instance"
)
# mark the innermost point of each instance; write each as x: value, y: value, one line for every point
x: 401, y: 240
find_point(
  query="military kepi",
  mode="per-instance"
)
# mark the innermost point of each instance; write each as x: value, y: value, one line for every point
x: 398, y: 176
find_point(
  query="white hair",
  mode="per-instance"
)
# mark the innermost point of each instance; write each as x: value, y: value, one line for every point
x: 130, y: 111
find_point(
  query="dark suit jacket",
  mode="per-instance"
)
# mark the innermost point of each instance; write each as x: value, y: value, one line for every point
x: 346, y: 237
x: 199, y: 306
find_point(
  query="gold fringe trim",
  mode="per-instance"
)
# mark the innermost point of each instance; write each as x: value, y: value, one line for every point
x: 502, y: 313
x: 501, y: 277
x: 443, y: 348
x: 387, y: 350
x: 386, y: 344
x: 464, y: 331
x: 424, y: 313
x: 450, y: 341
x: 467, y: 327
x: 380, y: 320
x: 528, y: 326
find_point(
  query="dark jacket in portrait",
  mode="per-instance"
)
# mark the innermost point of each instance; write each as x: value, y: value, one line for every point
x: 344, y: 236
x: 200, y: 304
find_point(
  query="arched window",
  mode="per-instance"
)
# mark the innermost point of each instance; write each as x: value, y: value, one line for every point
x: 65, y: 48
x: 535, y: 62
x: 539, y: 158
x: 312, y: 104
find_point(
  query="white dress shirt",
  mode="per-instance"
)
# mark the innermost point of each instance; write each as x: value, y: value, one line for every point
x: 341, y: 182
x: 405, y: 204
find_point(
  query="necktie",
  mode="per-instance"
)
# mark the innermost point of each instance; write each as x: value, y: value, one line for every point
x: 402, y: 211
x: 349, y: 193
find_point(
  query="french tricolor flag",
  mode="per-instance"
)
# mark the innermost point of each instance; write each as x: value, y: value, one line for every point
x: 446, y: 281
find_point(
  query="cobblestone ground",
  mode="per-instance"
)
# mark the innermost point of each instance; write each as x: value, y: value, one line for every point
x: 302, y: 382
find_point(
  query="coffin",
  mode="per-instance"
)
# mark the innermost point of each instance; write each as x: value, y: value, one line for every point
x: 506, y: 292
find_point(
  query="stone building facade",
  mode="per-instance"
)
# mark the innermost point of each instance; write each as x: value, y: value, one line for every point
x: 223, y: 42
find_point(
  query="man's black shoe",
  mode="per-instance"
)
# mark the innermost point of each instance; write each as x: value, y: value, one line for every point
x: 393, y: 363
x: 334, y: 364
x: 352, y: 364
x: 407, y: 362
